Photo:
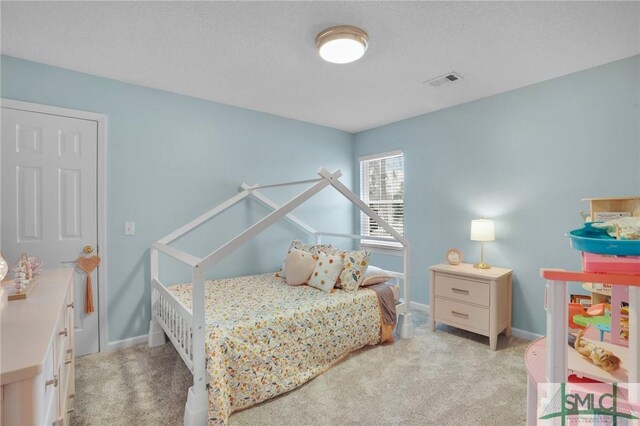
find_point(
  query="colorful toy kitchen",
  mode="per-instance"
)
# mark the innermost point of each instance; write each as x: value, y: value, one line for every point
x: 593, y: 340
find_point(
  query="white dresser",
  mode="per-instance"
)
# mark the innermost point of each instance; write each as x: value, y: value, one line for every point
x: 36, y: 355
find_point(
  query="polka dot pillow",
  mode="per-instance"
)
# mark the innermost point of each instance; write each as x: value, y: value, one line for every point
x: 326, y: 272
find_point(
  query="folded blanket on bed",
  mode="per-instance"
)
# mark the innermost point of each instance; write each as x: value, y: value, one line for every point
x: 387, y: 304
x: 387, y: 301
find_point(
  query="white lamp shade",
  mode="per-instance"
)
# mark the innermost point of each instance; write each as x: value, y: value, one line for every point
x: 482, y: 230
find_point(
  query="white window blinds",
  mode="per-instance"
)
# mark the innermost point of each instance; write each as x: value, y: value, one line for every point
x: 382, y: 188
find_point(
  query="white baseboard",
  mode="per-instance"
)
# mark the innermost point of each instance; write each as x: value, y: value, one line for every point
x: 524, y: 334
x: 125, y: 343
x: 419, y: 307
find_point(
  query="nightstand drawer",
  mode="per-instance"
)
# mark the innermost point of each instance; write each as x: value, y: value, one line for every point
x: 461, y: 289
x: 461, y: 314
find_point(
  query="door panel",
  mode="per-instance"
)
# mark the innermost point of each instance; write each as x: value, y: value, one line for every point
x: 49, y: 199
x: 29, y: 192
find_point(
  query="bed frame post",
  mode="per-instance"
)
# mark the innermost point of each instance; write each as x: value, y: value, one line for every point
x: 195, y: 412
x: 405, y: 322
x: 156, y: 335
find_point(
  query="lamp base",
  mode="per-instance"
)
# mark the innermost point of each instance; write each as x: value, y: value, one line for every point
x: 482, y: 265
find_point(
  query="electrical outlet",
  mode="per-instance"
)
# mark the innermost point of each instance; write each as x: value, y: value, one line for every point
x: 129, y: 228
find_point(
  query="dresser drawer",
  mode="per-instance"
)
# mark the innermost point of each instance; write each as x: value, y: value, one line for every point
x: 462, y: 289
x: 62, y: 336
x: 466, y: 316
x: 52, y: 390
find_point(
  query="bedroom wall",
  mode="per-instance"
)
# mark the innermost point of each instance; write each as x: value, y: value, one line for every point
x: 172, y: 157
x: 524, y: 158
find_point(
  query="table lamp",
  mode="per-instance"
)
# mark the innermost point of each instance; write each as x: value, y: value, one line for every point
x: 482, y: 230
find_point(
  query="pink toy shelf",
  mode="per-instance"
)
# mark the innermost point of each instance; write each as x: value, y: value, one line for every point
x: 600, y: 263
x: 548, y: 359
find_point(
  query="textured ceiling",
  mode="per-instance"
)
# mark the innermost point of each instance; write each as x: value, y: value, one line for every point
x: 261, y: 55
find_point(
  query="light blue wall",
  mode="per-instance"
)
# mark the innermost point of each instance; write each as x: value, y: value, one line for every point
x: 523, y: 158
x: 171, y: 157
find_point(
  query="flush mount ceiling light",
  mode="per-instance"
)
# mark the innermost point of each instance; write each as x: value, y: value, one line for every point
x: 342, y: 44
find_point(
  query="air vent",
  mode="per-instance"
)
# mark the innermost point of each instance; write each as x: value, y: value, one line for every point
x: 443, y: 79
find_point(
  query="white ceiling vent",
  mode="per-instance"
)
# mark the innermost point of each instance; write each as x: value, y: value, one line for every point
x: 444, y: 79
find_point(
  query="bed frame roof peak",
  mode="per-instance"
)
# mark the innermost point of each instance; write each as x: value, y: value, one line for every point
x: 325, y: 179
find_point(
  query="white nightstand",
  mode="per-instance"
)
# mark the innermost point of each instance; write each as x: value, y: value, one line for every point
x: 478, y: 300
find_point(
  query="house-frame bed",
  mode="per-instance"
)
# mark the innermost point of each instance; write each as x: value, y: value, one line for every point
x: 187, y: 329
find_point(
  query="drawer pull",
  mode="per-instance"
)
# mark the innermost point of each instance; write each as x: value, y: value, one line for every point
x: 70, y: 305
x: 63, y: 332
x: 459, y: 314
x: 53, y: 381
x: 460, y: 291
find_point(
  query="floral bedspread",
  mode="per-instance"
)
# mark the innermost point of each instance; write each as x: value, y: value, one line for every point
x: 266, y: 337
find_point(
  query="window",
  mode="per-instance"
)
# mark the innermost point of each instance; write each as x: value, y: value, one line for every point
x: 382, y: 188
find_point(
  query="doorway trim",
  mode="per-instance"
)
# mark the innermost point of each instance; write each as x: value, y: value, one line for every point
x: 101, y: 120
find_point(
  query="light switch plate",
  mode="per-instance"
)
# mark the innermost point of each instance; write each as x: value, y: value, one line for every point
x: 129, y: 228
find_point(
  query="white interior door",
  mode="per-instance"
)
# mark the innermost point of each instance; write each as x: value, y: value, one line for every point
x: 48, y: 167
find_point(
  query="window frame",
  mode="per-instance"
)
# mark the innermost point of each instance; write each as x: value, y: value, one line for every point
x: 364, y: 195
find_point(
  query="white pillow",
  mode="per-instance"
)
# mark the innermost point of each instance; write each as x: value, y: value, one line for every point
x: 299, y: 265
x: 310, y: 248
x: 374, y: 275
x: 326, y: 272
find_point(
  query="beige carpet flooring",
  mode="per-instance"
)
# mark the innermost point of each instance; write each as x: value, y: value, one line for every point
x: 449, y: 377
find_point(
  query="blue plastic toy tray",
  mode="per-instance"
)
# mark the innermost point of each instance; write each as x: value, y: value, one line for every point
x: 594, y: 240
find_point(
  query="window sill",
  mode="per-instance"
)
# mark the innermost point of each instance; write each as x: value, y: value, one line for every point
x: 392, y: 246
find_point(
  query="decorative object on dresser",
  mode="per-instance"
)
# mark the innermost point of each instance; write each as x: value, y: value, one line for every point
x: 482, y: 230
x: 25, y: 270
x: 454, y: 257
x: 477, y: 300
x: 4, y: 266
x: 37, y: 370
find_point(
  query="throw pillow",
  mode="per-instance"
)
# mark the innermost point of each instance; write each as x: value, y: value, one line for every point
x: 310, y: 248
x: 353, y: 270
x: 326, y: 272
x: 374, y: 275
x: 299, y: 265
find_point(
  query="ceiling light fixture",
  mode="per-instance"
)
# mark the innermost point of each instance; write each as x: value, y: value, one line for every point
x: 342, y: 44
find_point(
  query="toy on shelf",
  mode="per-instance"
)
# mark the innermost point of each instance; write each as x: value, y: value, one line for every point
x: 594, y: 240
x: 575, y: 309
x: 598, y: 316
x: 599, y: 356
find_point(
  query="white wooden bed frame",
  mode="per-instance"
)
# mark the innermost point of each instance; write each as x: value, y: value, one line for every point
x: 186, y: 329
